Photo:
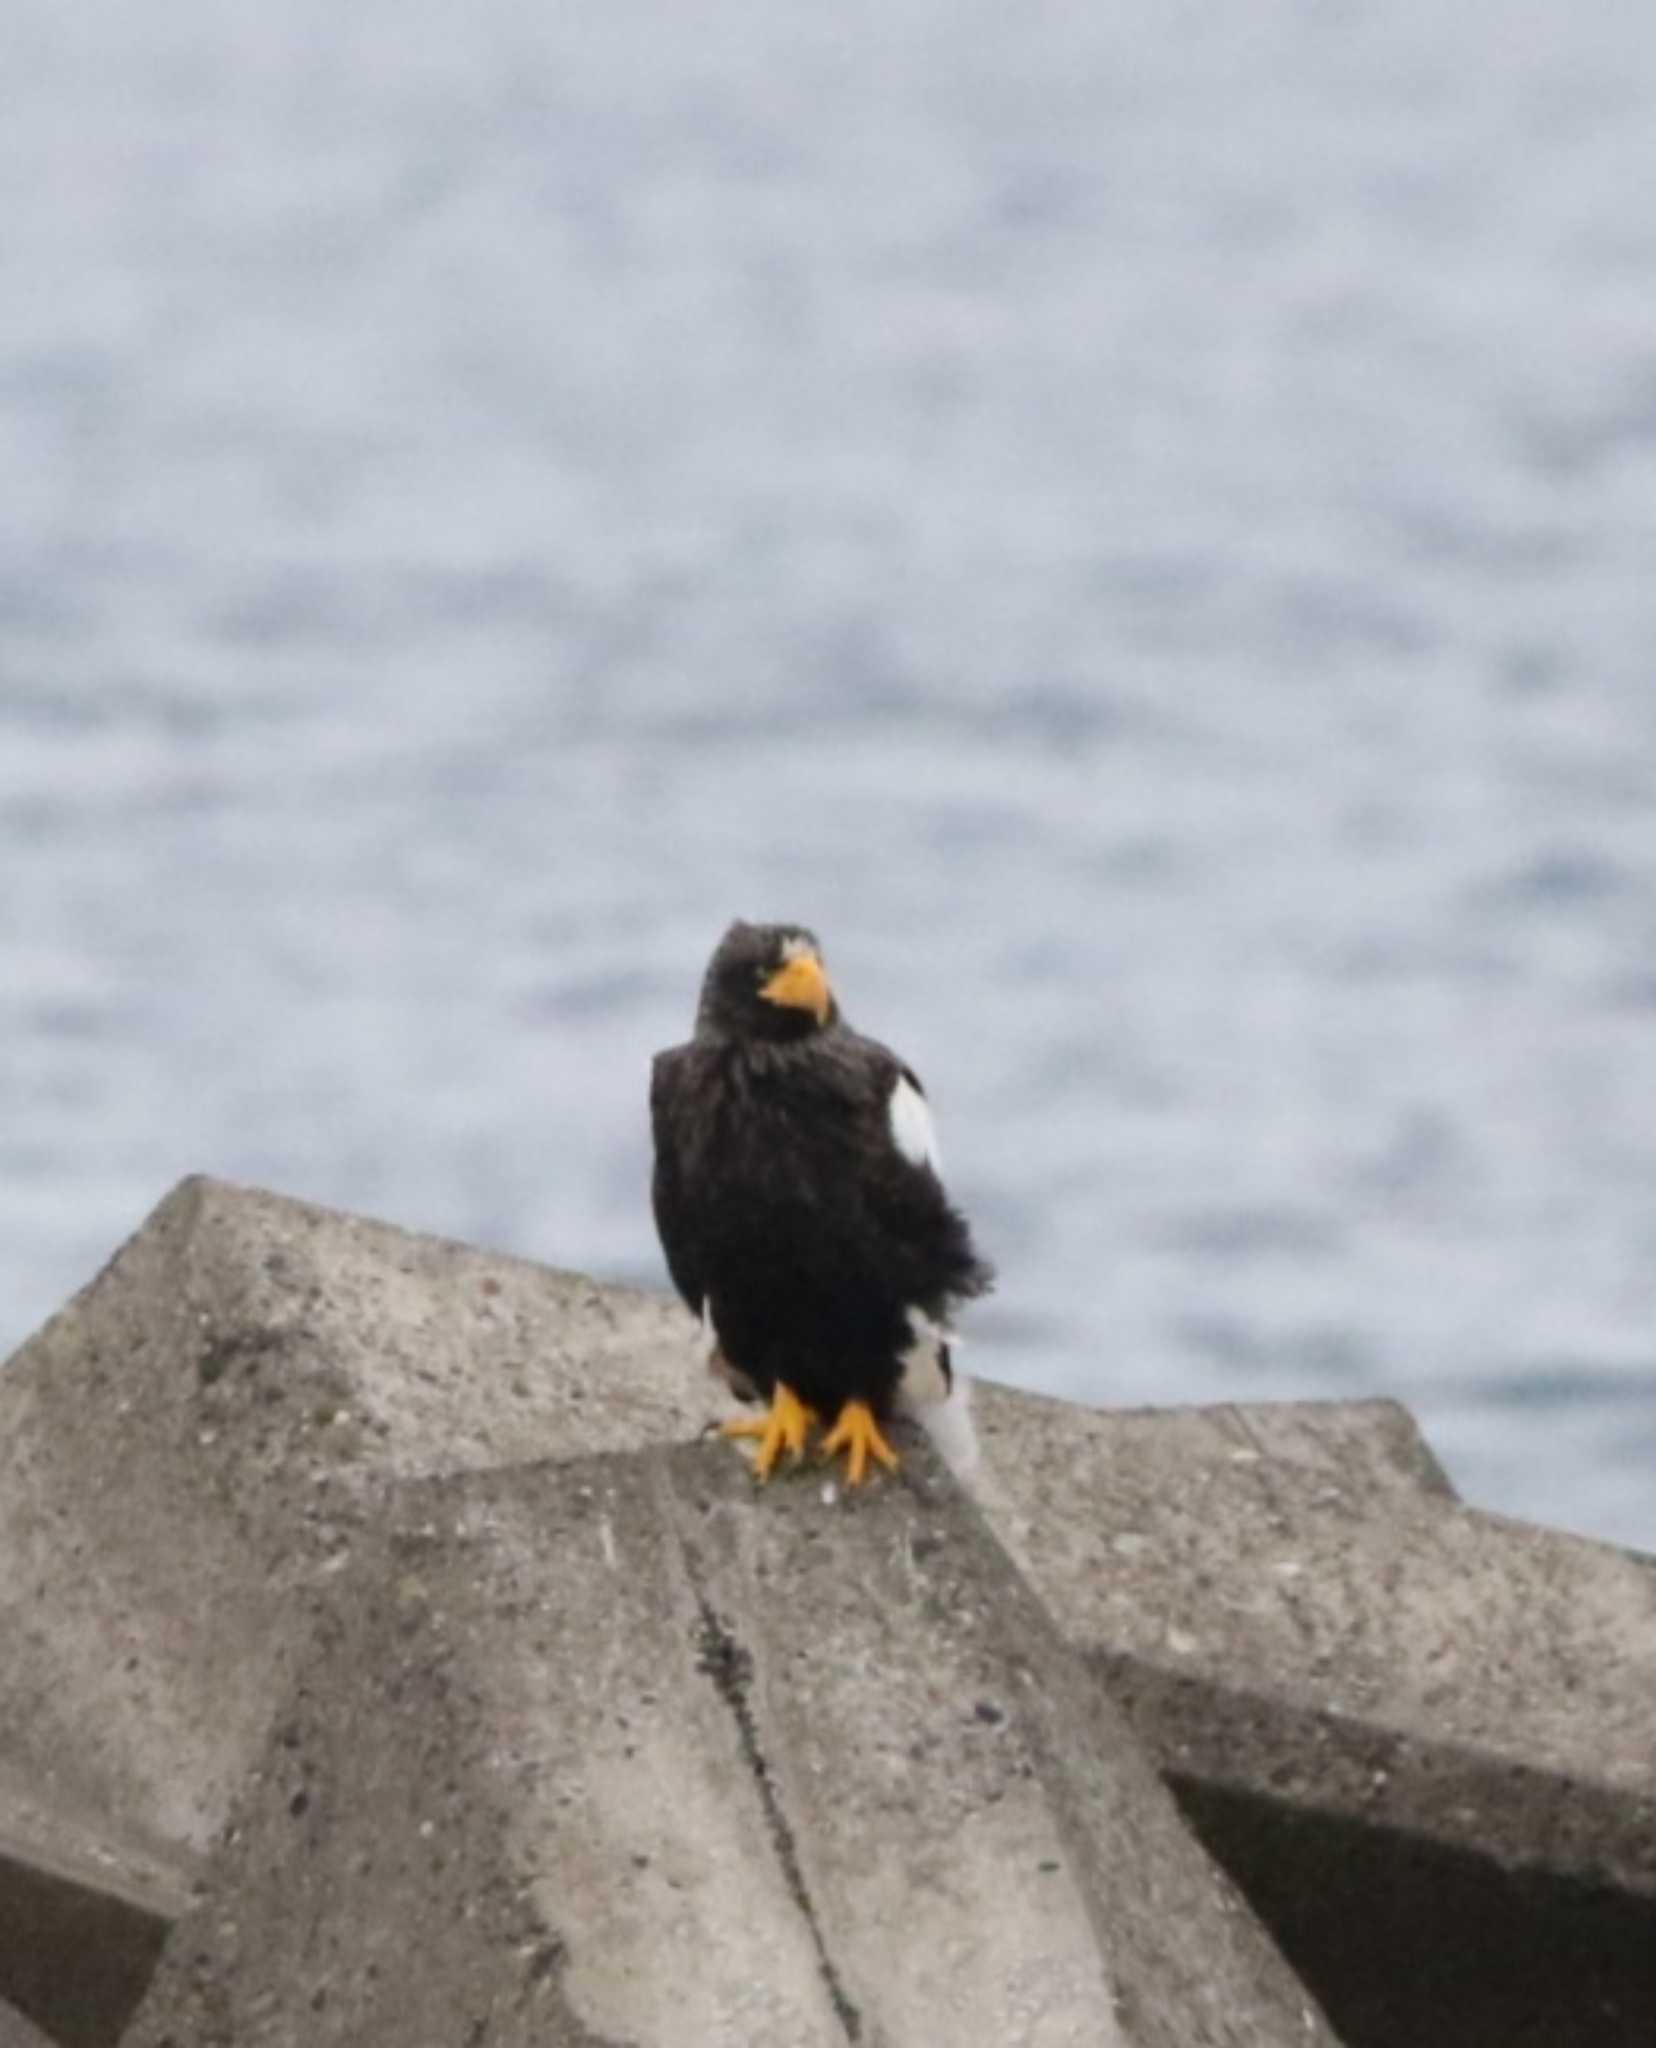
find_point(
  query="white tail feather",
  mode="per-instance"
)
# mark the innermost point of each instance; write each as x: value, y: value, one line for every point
x: 938, y: 1395
x: 950, y: 1427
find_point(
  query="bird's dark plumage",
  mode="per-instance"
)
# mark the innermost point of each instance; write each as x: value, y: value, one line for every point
x: 796, y: 1189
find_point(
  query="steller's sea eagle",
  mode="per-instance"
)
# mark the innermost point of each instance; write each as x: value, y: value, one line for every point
x: 797, y: 1195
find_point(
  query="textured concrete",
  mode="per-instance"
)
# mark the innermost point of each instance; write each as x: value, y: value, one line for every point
x: 82, y: 1917
x: 1368, y: 1450
x: 203, y: 1428
x: 1373, y: 1702
x: 618, y: 1751
x: 1403, y: 1657
x: 1339, y: 1668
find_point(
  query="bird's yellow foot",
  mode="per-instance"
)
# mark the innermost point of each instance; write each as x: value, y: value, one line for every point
x: 857, y: 1434
x: 783, y: 1429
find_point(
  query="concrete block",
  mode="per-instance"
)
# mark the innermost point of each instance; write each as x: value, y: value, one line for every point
x: 204, y: 1427
x: 1367, y: 1449
x: 621, y: 1751
x: 1373, y: 1702
x: 82, y: 1920
x: 201, y: 1432
x: 1369, y: 1698
x: 1402, y: 1635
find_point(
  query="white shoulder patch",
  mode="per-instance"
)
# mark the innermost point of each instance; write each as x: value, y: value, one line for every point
x: 912, y: 1131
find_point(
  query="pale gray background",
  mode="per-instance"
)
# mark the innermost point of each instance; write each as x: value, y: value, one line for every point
x: 1137, y: 520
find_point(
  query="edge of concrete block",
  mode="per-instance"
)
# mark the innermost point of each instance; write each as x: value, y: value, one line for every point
x: 632, y: 1746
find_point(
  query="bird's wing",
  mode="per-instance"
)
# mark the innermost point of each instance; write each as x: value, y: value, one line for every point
x: 675, y: 1217
x: 893, y: 1153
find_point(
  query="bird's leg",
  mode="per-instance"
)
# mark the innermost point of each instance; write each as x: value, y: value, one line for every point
x: 783, y: 1429
x: 857, y: 1434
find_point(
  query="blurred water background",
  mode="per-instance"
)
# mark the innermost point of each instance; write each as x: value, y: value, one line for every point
x: 1137, y: 522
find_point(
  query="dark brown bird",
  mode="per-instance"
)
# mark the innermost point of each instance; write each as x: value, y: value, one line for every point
x: 799, y: 1204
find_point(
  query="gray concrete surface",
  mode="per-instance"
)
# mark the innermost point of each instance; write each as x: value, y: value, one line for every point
x: 1276, y: 1620
x: 1368, y: 1449
x: 203, y: 1428
x: 83, y: 1916
x: 620, y: 1751
x: 1388, y: 1714
x: 1338, y: 1667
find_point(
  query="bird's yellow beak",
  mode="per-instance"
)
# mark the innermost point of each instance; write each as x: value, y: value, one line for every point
x: 801, y: 984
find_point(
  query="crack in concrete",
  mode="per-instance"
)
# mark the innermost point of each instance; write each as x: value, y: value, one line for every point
x: 722, y: 1657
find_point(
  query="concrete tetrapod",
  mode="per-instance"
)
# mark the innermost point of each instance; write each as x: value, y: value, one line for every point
x: 1423, y: 1738
x: 201, y: 1431
x: 203, y: 1428
x: 621, y: 1750
x: 183, y: 1448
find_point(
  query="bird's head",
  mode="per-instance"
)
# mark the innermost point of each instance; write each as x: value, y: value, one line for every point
x: 766, y: 981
